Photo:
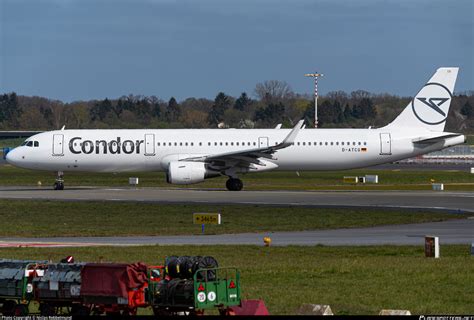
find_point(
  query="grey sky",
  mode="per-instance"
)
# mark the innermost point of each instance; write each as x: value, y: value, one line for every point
x: 84, y: 49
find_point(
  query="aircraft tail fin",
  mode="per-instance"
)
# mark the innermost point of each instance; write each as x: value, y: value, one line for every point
x: 429, y: 108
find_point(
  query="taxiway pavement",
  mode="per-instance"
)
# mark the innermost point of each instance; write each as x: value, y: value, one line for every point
x: 449, y: 232
x: 434, y: 200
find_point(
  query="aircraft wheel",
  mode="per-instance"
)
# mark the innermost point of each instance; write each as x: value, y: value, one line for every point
x: 58, y: 186
x: 234, y: 184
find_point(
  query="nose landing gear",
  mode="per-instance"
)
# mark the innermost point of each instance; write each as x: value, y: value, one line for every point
x: 234, y: 184
x: 59, y: 184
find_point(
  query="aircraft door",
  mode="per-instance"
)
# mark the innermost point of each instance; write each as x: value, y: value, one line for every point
x: 149, y: 144
x: 385, y: 144
x: 263, y: 142
x: 58, y: 145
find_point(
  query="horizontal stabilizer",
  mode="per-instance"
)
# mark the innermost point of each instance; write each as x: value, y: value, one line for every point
x: 431, y: 139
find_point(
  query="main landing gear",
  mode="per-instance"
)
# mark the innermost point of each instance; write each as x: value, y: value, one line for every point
x: 234, y: 184
x: 59, y: 184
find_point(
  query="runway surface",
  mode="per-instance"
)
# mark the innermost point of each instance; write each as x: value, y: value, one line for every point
x: 449, y: 232
x: 435, y: 200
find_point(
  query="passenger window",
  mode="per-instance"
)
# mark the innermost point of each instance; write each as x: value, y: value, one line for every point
x: 221, y: 143
x: 158, y: 144
x: 353, y: 143
x: 254, y: 143
x: 320, y: 143
x: 226, y: 143
x: 359, y: 143
x: 332, y: 143
x: 298, y: 143
x: 326, y: 143
x: 337, y: 143
x: 342, y: 143
x: 365, y: 143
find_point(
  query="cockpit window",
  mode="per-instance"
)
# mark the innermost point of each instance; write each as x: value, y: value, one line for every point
x: 29, y: 144
x: 36, y: 144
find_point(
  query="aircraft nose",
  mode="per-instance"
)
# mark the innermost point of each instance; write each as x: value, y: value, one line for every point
x: 12, y: 157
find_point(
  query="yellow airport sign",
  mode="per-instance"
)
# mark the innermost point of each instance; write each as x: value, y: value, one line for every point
x: 206, y: 218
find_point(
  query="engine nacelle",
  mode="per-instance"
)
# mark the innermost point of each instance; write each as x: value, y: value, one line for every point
x: 185, y: 172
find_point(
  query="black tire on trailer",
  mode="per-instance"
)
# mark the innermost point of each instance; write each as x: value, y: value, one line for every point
x: 207, y: 262
x: 172, y: 266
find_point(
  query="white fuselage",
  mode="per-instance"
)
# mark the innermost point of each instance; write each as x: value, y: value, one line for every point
x: 152, y: 150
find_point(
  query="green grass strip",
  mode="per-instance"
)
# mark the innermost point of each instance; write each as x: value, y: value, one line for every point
x: 36, y: 218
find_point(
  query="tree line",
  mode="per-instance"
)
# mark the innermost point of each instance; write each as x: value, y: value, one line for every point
x: 272, y: 102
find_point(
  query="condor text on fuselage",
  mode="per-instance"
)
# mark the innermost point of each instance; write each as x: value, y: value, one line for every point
x: 77, y: 146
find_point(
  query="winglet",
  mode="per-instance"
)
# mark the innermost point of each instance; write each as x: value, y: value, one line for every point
x: 63, y: 127
x: 290, y: 138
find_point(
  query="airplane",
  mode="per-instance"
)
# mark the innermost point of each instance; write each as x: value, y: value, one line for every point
x: 191, y: 156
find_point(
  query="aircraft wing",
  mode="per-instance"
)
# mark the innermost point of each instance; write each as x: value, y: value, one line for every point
x: 248, y: 156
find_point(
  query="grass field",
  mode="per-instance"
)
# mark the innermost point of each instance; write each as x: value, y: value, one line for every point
x: 470, y: 139
x: 55, y: 218
x: 326, y: 180
x: 352, y: 280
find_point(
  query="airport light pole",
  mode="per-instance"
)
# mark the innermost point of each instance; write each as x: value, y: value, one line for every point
x: 315, y: 76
